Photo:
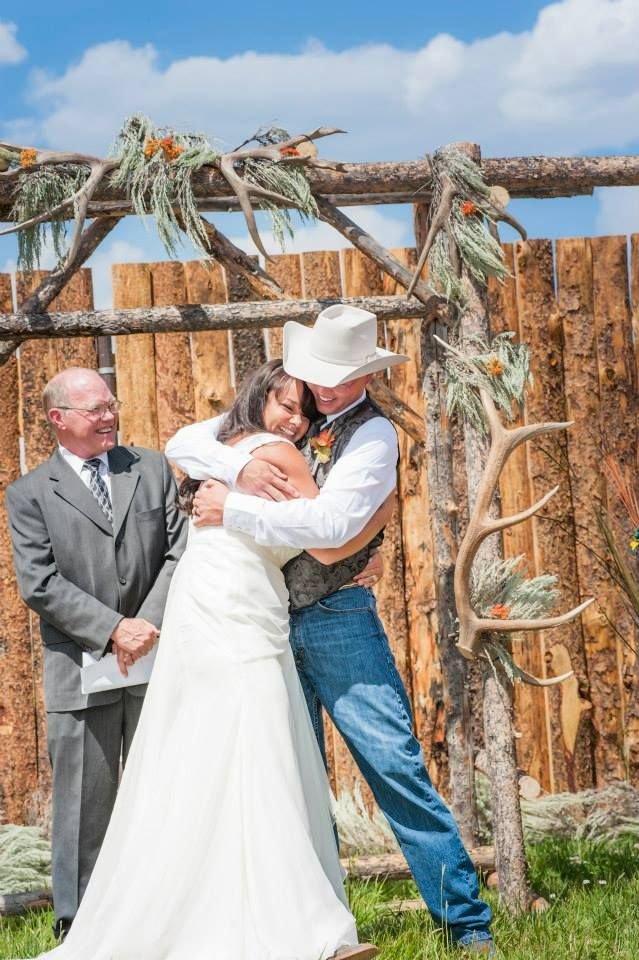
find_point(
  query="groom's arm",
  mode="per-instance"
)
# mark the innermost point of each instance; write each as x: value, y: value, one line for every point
x: 357, y: 485
x: 196, y: 450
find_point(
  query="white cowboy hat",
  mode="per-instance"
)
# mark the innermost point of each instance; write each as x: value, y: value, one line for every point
x: 341, y: 346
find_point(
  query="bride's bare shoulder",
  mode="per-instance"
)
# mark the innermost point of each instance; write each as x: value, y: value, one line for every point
x: 290, y: 461
x: 279, y: 454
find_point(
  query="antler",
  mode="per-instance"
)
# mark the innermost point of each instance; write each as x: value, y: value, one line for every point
x: 502, y: 443
x: 79, y: 201
x: 283, y: 151
x: 16, y: 159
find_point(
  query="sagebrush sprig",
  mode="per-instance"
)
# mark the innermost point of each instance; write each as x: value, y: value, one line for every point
x: 503, y: 585
x: 501, y: 367
x: 156, y: 167
x: 38, y: 191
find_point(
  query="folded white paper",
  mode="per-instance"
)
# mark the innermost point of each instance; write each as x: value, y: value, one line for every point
x: 105, y: 674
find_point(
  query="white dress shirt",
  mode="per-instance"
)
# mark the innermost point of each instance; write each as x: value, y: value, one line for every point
x: 77, y: 463
x: 356, y: 486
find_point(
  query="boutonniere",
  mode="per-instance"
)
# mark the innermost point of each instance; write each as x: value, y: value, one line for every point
x: 321, y: 445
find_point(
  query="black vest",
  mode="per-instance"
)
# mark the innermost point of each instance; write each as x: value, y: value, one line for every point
x: 307, y: 579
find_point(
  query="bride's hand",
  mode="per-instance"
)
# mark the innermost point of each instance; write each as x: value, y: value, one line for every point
x: 263, y: 479
x: 372, y: 572
x: 208, y: 504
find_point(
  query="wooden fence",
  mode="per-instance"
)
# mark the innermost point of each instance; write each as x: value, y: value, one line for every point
x: 572, y: 305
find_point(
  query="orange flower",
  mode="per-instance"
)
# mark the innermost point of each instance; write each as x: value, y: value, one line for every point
x: 28, y: 157
x: 321, y: 446
x: 499, y: 612
x: 170, y: 149
x: 151, y: 147
x: 494, y: 367
x: 468, y: 208
x: 289, y: 152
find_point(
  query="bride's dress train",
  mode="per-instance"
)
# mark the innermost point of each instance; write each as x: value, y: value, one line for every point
x: 221, y: 843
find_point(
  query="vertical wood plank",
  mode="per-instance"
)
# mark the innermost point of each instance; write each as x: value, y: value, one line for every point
x: 249, y: 348
x: 210, y: 350
x: 321, y: 278
x: 135, y: 359
x: 361, y: 278
x: 77, y: 295
x: 18, y: 727
x: 553, y: 540
x: 286, y: 268
x: 424, y: 662
x: 37, y: 363
x: 575, y: 298
x: 631, y: 657
x: 321, y: 275
x: 618, y: 412
x: 534, y: 754
x: 173, y: 369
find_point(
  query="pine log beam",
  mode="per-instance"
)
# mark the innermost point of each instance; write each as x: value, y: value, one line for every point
x: 55, y: 281
x: 395, y: 182
x: 14, y: 904
x: 194, y: 317
x: 236, y: 261
x: 393, y: 866
x: 396, y: 410
x: 371, y: 248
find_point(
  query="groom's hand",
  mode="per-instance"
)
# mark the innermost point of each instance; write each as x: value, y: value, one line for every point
x: 208, y: 504
x: 262, y: 479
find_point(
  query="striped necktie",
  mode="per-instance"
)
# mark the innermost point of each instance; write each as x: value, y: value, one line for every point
x: 98, y: 487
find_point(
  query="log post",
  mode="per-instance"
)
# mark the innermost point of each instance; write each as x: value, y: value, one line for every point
x: 444, y: 513
x: 497, y: 697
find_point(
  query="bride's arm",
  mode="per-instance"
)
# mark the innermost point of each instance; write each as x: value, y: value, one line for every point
x: 288, y: 459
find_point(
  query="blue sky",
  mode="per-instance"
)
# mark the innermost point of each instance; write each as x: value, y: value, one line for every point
x: 519, y: 78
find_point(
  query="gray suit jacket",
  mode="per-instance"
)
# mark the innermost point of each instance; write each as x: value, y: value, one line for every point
x: 81, y: 575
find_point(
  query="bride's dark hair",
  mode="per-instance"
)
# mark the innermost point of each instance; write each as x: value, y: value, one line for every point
x: 246, y: 414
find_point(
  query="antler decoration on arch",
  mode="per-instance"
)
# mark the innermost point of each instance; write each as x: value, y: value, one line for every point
x: 471, y: 626
x: 281, y: 151
x: 156, y: 166
x: 30, y: 159
x: 461, y: 202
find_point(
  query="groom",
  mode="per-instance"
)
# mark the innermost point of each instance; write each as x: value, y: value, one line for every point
x: 341, y: 651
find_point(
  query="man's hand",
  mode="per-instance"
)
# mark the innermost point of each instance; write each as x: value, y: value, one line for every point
x: 208, y: 504
x: 262, y: 479
x: 372, y: 572
x: 131, y: 639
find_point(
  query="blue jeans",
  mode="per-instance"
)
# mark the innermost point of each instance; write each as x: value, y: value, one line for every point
x: 346, y: 665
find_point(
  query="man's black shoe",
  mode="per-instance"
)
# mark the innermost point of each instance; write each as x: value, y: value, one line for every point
x: 61, y: 927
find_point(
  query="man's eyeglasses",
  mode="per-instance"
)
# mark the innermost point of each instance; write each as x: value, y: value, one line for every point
x: 96, y: 413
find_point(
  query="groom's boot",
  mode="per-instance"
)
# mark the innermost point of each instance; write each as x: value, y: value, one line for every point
x: 361, y: 951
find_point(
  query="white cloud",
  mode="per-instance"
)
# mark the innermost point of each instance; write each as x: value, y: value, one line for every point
x: 618, y: 211
x: 569, y: 84
x: 10, y: 50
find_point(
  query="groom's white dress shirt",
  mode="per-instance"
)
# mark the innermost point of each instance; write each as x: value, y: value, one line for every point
x: 356, y: 486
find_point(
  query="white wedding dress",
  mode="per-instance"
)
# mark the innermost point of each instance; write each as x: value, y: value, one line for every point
x: 221, y: 842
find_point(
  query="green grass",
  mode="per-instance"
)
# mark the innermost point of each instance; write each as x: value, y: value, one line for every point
x: 592, y: 888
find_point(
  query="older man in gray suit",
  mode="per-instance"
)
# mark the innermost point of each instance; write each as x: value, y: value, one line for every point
x: 96, y: 537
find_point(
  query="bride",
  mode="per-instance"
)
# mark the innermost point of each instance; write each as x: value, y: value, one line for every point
x: 221, y: 842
